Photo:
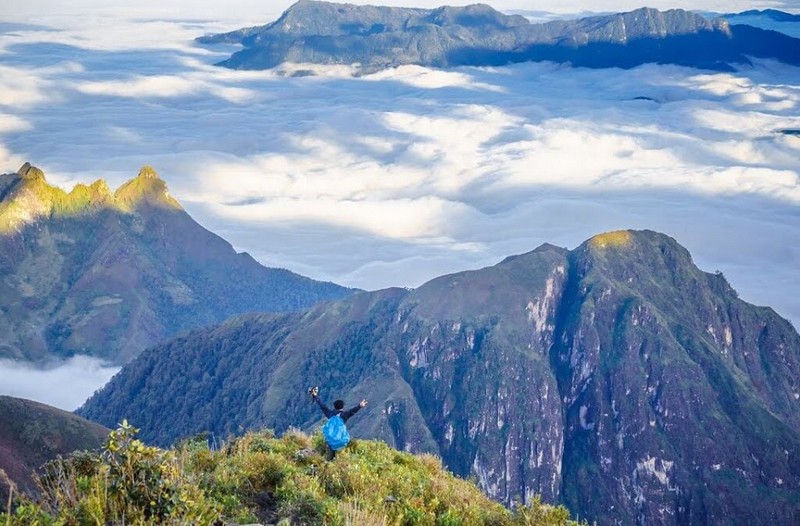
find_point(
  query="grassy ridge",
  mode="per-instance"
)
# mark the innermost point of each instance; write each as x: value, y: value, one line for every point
x: 32, y: 434
x: 266, y: 479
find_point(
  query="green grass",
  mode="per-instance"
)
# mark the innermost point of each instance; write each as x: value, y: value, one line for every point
x: 263, y: 478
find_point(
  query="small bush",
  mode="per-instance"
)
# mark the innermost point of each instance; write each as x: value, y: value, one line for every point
x: 128, y: 483
x: 538, y: 514
x: 353, y: 514
x: 266, y: 471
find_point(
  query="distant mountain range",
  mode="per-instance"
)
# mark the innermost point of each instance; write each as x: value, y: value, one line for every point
x: 773, y: 14
x: 107, y: 274
x: 617, y: 378
x: 771, y: 19
x: 477, y: 35
x: 32, y: 434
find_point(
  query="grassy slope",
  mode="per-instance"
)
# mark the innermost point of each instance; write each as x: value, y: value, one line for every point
x: 261, y: 478
x: 32, y: 434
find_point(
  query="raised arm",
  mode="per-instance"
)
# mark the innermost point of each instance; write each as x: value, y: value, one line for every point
x: 324, y: 407
x: 350, y: 412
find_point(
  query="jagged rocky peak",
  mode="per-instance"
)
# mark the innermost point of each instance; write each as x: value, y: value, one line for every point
x: 148, y: 172
x: 27, y: 197
x: 28, y: 171
x: 100, y: 186
x: 147, y: 188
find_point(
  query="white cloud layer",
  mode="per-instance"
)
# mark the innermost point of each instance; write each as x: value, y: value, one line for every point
x: 66, y: 385
x: 397, y: 177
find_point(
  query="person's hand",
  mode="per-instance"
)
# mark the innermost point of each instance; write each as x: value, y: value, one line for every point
x: 313, y: 391
x: 362, y: 403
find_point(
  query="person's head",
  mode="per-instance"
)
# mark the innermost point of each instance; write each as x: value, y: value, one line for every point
x: 338, y: 405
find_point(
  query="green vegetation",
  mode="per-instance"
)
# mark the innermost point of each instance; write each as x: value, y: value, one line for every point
x: 617, y: 238
x: 262, y: 478
x: 32, y: 198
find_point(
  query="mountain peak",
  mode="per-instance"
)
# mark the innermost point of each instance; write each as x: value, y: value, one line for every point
x: 147, y: 172
x: 616, y: 238
x: 30, y: 172
x: 148, y: 188
x: 27, y: 197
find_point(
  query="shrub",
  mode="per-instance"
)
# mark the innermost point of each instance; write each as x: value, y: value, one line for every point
x: 262, y: 478
x: 127, y: 483
x: 538, y: 514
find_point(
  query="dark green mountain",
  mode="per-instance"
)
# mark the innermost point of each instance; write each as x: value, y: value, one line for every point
x: 32, y: 434
x: 108, y: 274
x: 477, y: 35
x: 617, y: 378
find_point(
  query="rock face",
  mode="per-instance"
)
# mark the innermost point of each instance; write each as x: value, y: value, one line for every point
x: 32, y: 434
x: 381, y: 37
x: 108, y: 274
x: 617, y: 378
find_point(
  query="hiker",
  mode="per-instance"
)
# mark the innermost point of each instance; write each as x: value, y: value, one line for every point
x: 335, y: 430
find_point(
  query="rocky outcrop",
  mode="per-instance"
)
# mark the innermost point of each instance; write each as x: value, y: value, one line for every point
x: 617, y: 378
x: 148, y: 187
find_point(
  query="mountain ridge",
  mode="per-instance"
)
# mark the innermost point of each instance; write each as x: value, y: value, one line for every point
x: 107, y: 274
x: 378, y: 37
x: 774, y: 14
x: 26, y: 196
x: 616, y: 378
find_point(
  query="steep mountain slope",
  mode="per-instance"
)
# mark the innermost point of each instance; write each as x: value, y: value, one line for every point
x: 381, y: 37
x: 32, y: 434
x: 678, y: 392
x: 617, y: 378
x: 108, y: 274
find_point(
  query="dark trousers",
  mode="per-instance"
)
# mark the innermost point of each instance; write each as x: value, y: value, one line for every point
x: 330, y: 454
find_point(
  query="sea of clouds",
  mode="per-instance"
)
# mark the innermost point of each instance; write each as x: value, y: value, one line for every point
x: 394, y: 178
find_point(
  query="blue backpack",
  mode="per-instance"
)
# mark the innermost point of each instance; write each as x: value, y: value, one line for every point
x: 335, y: 433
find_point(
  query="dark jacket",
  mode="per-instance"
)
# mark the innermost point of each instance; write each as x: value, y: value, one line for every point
x: 331, y: 412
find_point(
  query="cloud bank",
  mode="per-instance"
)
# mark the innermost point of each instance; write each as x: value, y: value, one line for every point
x: 397, y: 177
x: 66, y: 385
